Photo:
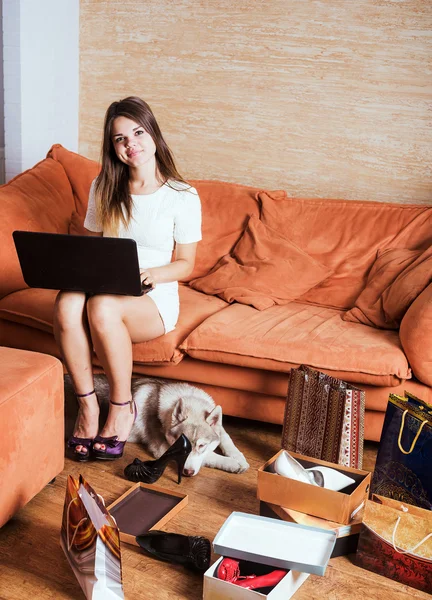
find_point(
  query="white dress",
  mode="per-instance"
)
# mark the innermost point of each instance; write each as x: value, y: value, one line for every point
x: 159, y: 220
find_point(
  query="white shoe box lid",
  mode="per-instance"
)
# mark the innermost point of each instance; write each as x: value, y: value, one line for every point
x: 276, y: 543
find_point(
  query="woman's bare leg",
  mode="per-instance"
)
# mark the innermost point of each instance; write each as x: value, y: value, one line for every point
x: 73, y: 338
x: 115, y: 322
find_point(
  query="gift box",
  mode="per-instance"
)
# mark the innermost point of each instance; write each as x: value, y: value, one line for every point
x: 144, y: 507
x: 257, y: 542
x: 396, y: 542
x: 347, y: 535
x: 339, y: 507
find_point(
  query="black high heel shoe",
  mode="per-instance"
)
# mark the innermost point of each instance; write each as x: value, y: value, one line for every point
x: 149, y: 471
x: 190, y: 551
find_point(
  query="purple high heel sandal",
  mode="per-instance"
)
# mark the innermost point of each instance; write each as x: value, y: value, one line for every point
x: 113, y: 446
x: 73, y: 441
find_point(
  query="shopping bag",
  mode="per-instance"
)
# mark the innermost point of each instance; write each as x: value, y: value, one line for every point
x: 90, y: 539
x: 403, y: 466
x: 396, y: 541
x: 324, y: 418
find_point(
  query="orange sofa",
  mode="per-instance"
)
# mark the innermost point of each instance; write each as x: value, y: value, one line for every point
x: 240, y: 355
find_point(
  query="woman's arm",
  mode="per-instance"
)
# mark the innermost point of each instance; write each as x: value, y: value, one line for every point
x: 181, y: 267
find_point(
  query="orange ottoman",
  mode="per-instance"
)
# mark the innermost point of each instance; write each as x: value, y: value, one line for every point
x: 32, y: 426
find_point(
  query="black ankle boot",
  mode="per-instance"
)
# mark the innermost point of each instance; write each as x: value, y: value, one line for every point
x: 149, y: 471
x: 190, y: 551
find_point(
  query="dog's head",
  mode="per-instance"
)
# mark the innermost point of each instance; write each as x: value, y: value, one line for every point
x: 200, y: 424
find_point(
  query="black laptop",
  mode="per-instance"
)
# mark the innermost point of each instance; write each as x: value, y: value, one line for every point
x: 79, y: 263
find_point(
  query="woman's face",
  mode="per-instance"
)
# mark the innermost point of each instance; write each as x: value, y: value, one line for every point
x: 132, y: 144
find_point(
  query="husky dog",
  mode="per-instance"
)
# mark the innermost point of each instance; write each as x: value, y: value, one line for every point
x: 167, y: 409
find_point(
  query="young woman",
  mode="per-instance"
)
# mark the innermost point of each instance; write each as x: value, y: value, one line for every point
x: 138, y: 194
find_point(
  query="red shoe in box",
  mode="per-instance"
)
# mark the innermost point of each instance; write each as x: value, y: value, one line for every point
x: 229, y: 570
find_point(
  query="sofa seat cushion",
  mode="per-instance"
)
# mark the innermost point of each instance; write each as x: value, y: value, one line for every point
x: 34, y: 307
x: 297, y: 333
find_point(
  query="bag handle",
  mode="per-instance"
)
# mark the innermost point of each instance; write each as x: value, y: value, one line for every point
x: 414, y: 440
x: 70, y: 544
x: 399, y: 550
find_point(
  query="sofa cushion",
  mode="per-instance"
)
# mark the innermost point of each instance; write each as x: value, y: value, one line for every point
x: 409, y: 284
x: 225, y: 210
x: 416, y: 335
x: 345, y: 235
x: 296, y: 333
x: 80, y: 170
x: 76, y: 225
x: 368, y: 307
x: 263, y: 269
x: 34, y: 307
x: 39, y: 199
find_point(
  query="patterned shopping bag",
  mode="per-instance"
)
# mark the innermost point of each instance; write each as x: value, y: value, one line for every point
x: 396, y: 542
x: 324, y: 418
x: 403, y: 468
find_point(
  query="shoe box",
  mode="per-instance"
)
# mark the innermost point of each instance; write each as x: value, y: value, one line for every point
x: 339, y: 507
x: 263, y: 544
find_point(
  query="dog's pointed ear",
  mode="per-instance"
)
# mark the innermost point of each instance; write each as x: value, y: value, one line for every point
x: 215, y: 417
x: 179, y: 413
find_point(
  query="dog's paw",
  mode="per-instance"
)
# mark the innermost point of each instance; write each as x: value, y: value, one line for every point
x: 239, y: 464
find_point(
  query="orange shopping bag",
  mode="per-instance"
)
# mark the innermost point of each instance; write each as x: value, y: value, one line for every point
x: 90, y: 539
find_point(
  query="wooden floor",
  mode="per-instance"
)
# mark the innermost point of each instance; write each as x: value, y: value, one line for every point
x: 33, y: 566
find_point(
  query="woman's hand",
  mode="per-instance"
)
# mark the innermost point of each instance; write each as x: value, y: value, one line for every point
x: 147, y: 278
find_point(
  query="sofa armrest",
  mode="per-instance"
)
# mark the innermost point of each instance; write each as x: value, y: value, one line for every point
x: 40, y: 199
x: 416, y: 336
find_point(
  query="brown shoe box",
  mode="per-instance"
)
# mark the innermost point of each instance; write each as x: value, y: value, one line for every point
x: 339, y: 507
x: 144, y: 507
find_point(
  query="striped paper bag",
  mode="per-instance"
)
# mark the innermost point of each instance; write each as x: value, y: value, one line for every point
x: 324, y: 418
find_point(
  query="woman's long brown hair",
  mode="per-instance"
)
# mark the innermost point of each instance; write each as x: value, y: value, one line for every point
x: 113, y: 201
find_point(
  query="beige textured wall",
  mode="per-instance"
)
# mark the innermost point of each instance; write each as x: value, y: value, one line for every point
x: 327, y: 98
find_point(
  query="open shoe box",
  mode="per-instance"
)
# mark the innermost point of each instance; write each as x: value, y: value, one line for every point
x: 144, y: 507
x: 339, y: 507
x: 299, y: 549
x: 347, y: 535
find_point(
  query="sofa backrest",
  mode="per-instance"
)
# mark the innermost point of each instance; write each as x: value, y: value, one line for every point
x: 345, y: 236
x: 39, y: 199
x: 80, y: 170
x: 225, y: 211
x: 342, y: 234
x: 225, y: 207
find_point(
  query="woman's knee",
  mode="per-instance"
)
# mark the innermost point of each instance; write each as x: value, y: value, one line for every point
x: 69, y: 308
x: 103, y: 311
